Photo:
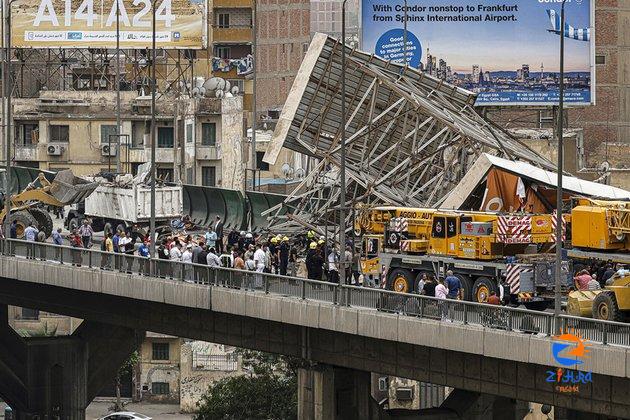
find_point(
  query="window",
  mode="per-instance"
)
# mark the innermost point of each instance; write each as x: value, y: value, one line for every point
x: 189, y: 175
x: 263, y: 166
x: 165, y: 174
x: 59, y: 134
x: 223, y: 20
x: 208, y: 176
x: 165, y: 137
x: 160, y: 388
x: 189, y: 133
x: 108, y: 134
x: 223, y: 52
x: 28, y: 313
x: 600, y: 59
x: 26, y: 134
x: 208, y: 134
x: 160, y: 351
x: 438, y: 230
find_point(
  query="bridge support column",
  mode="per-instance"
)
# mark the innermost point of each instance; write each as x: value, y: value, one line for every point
x: 57, y: 377
x: 327, y: 392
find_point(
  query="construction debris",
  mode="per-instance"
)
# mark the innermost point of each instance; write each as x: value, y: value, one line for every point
x: 410, y: 137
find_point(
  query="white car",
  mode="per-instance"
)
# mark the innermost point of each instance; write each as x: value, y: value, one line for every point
x: 125, y: 415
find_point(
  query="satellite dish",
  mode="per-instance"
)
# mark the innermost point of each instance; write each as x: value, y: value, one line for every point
x: 604, y: 167
x: 219, y: 94
x: 287, y: 170
x: 227, y: 86
x: 221, y: 84
x: 202, y: 91
x: 212, y: 83
x: 199, y: 81
x: 235, y: 90
x: 195, y: 91
x: 300, y: 173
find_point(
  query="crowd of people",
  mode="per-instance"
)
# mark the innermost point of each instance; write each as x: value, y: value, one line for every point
x: 599, y: 275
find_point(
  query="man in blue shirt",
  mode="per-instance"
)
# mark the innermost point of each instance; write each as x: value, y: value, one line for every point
x: 57, y: 238
x: 454, y: 285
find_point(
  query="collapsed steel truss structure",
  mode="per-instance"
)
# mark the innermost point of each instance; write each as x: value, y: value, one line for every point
x: 36, y: 69
x: 409, y: 137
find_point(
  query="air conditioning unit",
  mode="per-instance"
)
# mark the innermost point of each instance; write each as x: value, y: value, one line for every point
x: 404, y: 394
x: 54, y: 150
x: 108, y: 150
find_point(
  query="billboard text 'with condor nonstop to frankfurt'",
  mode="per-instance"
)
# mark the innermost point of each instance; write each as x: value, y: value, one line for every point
x: 508, y: 52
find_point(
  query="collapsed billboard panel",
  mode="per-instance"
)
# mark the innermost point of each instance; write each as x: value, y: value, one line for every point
x: 93, y: 23
x: 508, y: 52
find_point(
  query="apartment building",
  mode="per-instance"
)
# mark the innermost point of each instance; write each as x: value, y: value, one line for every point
x: 199, y: 140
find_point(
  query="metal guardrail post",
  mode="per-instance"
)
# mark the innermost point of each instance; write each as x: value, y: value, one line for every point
x: 267, y: 284
x: 336, y: 295
x: 89, y: 258
x: 549, y: 326
x: 421, y: 308
x: 564, y: 325
x: 509, y: 319
x: 348, y: 291
x: 465, y: 314
x: 605, y: 334
x: 303, y: 289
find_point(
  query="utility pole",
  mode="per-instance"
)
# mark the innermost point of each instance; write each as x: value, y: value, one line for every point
x: 559, y: 192
x: 7, y: 85
x: 255, y: 107
x: 153, y: 136
x: 342, y: 195
x: 405, y: 36
x: 118, y: 123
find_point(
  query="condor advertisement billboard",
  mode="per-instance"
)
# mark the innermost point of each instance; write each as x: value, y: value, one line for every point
x: 508, y: 52
x: 93, y: 23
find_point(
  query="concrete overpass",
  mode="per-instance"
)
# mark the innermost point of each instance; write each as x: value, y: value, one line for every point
x: 490, y: 350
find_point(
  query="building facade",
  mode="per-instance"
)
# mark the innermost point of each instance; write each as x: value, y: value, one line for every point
x: 199, y: 140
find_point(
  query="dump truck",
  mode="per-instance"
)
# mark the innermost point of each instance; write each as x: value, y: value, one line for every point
x: 410, y: 242
x: 117, y: 208
x: 27, y: 206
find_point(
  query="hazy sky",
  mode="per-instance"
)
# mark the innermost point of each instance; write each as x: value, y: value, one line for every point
x: 494, y: 46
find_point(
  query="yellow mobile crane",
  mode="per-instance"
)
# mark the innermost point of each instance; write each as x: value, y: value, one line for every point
x: 411, y: 242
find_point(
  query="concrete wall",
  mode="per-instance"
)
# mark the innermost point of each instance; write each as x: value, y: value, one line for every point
x: 195, y: 380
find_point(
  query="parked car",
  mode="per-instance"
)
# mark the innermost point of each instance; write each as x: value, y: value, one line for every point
x: 125, y: 415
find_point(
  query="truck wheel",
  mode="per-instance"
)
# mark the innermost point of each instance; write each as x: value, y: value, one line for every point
x: 482, y: 288
x: 467, y: 286
x: 23, y: 219
x: 400, y: 280
x: 605, y: 307
x: 44, y: 221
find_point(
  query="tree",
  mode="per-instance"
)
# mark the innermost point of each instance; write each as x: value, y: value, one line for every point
x: 124, y: 369
x: 269, y: 391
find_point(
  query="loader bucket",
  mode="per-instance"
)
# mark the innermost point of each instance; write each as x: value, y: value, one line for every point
x: 70, y: 189
x: 259, y: 202
x: 203, y: 204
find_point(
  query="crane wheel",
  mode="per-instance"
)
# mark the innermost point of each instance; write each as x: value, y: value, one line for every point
x: 400, y: 280
x: 44, y: 221
x: 482, y: 288
x: 23, y: 219
x: 605, y: 307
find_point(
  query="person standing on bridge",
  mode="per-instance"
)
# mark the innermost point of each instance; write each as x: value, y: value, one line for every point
x: 211, y: 237
x: 441, y: 292
x: 454, y: 286
x: 218, y: 228
x: 260, y: 260
x: 86, y: 233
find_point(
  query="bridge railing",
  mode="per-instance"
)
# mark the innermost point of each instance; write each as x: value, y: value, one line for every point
x: 488, y: 316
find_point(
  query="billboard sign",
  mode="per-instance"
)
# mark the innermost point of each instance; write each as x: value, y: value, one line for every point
x: 93, y: 23
x: 506, y: 52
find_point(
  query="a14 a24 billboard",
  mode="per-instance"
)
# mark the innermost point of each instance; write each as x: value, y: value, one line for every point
x: 506, y: 52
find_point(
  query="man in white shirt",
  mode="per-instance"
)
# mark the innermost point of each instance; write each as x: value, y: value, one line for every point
x: 333, y: 267
x: 176, y: 253
x: 213, y: 259
x: 259, y: 258
x: 187, y: 258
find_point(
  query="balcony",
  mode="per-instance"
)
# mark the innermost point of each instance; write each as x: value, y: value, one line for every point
x: 231, y: 4
x: 232, y: 35
x: 208, y: 152
x: 26, y: 152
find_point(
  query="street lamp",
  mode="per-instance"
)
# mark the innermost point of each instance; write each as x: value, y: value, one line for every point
x: 342, y: 201
x: 559, y: 194
x: 153, y: 136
